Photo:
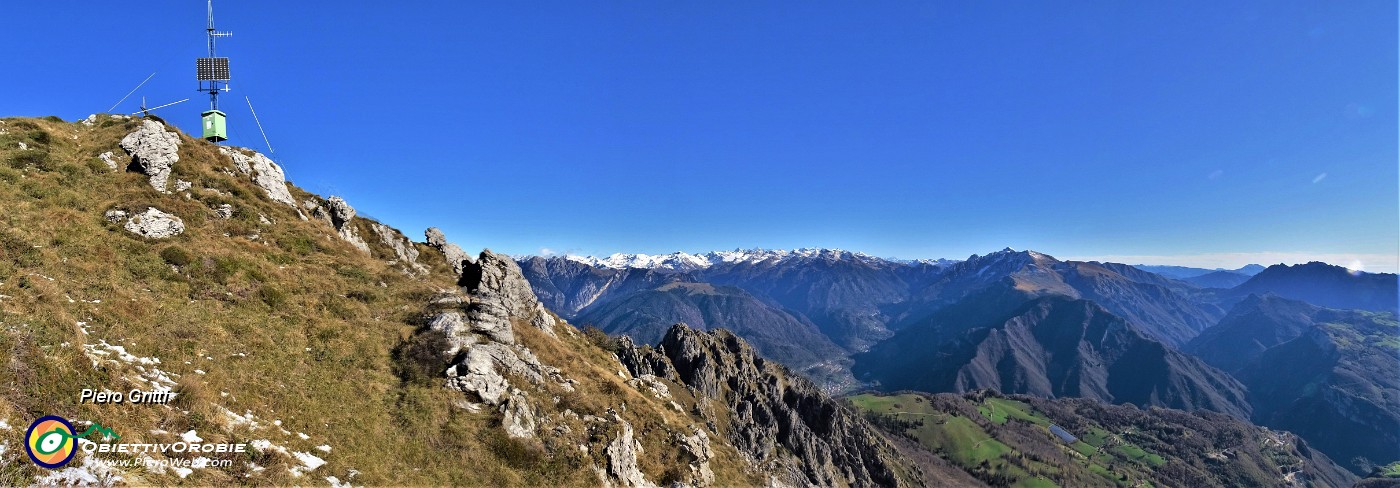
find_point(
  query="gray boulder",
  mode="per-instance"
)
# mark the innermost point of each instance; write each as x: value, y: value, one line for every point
x: 154, y: 224
x: 622, y: 459
x: 404, y: 251
x: 519, y: 418
x: 455, y: 256
x: 496, y: 280
x: 263, y: 172
x: 153, y: 150
x: 341, y: 214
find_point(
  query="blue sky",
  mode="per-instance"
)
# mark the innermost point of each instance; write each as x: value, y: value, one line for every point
x: 1166, y: 132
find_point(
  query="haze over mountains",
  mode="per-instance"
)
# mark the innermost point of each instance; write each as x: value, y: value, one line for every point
x: 1025, y: 322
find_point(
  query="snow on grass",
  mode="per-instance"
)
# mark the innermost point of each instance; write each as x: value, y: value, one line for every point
x: 309, y: 463
x: 246, y: 420
x: 88, y: 474
x: 324, y: 447
x: 191, y: 437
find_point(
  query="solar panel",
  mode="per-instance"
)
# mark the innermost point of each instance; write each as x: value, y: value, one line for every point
x: 212, y: 69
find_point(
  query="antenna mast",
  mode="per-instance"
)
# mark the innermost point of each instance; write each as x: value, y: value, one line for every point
x: 213, y: 77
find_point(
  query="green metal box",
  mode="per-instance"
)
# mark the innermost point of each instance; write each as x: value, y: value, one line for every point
x: 215, y: 127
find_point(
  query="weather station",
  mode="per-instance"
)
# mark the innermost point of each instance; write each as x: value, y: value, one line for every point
x: 212, y: 72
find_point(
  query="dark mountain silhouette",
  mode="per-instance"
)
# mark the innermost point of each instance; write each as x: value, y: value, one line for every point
x: 1051, y: 346
x: 1218, y: 279
x: 1325, y: 285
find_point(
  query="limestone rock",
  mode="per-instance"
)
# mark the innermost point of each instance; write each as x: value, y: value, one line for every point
x: 106, y: 158
x: 182, y: 185
x: 115, y: 215
x: 477, y: 374
x: 498, y: 282
x: 404, y: 252
x: 263, y: 172
x: 776, y: 418
x: 341, y: 214
x: 455, y: 256
x: 154, y: 224
x: 450, y: 325
x: 519, y: 419
x: 650, y: 383
x: 697, y: 447
x: 622, y: 459
x: 225, y: 211
x: 153, y: 150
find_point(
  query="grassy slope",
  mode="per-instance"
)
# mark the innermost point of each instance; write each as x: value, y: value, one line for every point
x: 293, y: 325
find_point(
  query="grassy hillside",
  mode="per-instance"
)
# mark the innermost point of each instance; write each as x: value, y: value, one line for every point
x: 273, y: 330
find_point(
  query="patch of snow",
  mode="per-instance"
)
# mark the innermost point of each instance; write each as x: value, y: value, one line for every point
x: 335, y: 482
x: 191, y: 437
x: 324, y: 447
x: 303, y: 436
x: 309, y: 463
x: 88, y: 474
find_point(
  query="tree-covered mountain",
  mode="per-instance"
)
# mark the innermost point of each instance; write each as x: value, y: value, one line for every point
x: 1052, y: 346
x: 1331, y: 376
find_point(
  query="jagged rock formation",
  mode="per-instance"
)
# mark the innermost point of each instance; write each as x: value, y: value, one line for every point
x: 152, y: 223
x: 153, y: 150
x: 622, y: 459
x: 774, y: 416
x: 263, y: 172
x: 404, y: 252
x: 455, y: 256
x: 500, y: 293
x: 340, y: 216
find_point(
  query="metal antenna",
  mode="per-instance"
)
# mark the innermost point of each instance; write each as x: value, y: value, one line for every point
x: 147, y: 111
x: 133, y: 90
x: 212, y: 73
x: 260, y: 129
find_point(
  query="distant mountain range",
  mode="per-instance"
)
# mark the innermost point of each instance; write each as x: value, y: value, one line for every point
x: 1026, y: 322
x: 1184, y: 272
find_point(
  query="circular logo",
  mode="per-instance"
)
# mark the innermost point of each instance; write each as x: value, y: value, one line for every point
x: 50, y: 441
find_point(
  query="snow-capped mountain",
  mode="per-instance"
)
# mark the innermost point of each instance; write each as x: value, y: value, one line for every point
x: 683, y: 261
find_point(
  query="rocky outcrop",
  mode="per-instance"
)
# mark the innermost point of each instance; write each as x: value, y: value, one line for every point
x: 696, y: 447
x: 263, y: 172
x: 153, y: 150
x: 404, y: 252
x: 151, y: 224
x: 482, y: 340
x: 776, y: 418
x: 500, y: 293
x: 622, y: 459
x: 455, y: 256
x: 107, y: 158
x: 340, y: 215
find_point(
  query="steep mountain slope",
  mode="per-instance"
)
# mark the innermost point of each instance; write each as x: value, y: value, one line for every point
x: 333, y: 347
x: 1017, y: 441
x: 1254, y: 325
x: 845, y: 294
x: 1325, y: 285
x: 1331, y: 376
x: 777, y: 418
x: 1163, y: 308
x: 1050, y: 346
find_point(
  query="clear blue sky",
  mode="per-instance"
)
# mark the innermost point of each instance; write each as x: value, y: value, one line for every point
x: 1201, y: 132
